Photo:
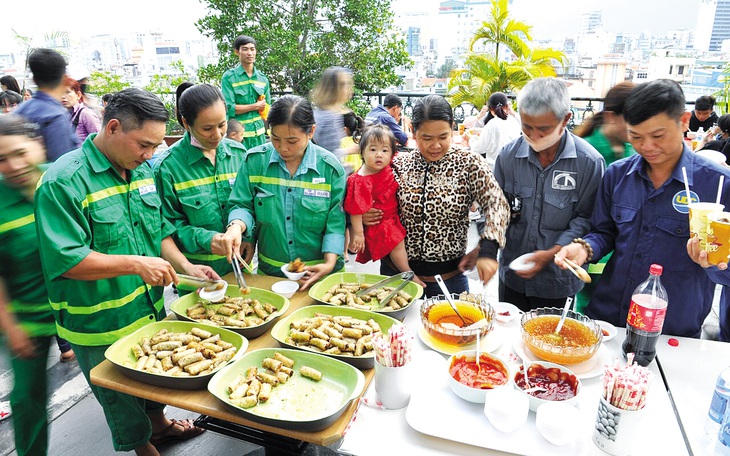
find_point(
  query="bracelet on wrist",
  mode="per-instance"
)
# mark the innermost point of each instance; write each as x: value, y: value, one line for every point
x: 586, y: 246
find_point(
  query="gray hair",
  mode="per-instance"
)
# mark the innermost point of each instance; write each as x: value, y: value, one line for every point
x: 544, y: 95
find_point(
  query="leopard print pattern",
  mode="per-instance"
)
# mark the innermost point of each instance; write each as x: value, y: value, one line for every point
x: 434, y: 200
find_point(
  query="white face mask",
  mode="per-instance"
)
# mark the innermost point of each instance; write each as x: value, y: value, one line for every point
x: 546, y: 141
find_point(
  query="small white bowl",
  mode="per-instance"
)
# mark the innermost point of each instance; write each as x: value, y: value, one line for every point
x: 557, y: 422
x: 504, y: 312
x: 214, y: 296
x: 506, y: 409
x: 522, y: 263
x: 291, y: 275
x: 285, y: 288
x: 609, y: 330
x: 468, y: 393
x: 536, y: 402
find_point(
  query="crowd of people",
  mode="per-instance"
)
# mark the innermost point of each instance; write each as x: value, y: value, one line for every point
x: 92, y: 228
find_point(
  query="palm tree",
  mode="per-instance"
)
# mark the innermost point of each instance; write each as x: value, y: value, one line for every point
x: 484, y: 73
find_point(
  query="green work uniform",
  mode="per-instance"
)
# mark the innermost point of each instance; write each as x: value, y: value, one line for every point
x: 241, y: 89
x: 84, y: 205
x: 194, y: 195
x: 292, y: 217
x: 601, y: 143
x: 20, y: 269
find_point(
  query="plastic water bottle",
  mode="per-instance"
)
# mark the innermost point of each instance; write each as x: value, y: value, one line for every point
x: 722, y: 443
x: 718, y: 405
x: 646, y: 317
x: 700, y: 133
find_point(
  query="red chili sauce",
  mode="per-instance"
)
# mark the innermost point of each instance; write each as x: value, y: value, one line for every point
x: 560, y: 385
x: 490, y: 374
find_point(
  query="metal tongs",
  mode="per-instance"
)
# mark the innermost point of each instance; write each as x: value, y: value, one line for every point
x: 236, y: 263
x: 196, y: 282
x: 405, y: 276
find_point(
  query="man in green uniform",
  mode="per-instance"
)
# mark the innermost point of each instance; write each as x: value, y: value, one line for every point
x: 107, y: 252
x: 26, y: 318
x: 247, y: 92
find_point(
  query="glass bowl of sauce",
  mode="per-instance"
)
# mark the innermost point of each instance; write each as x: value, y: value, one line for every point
x: 441, y: 322
x: 578, y: 340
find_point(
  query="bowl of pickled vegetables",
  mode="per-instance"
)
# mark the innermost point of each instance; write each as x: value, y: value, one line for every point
x: 547, y: 382
x: 578, y: 340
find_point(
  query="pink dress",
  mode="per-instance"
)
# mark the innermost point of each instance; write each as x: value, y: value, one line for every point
x: 378, y: 191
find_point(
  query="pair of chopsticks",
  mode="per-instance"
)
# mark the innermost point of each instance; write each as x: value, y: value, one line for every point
x: 577, y: 270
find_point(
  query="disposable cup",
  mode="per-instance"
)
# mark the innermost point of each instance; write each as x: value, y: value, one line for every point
x: 718, y: 237
x: 616, y: 429
x: 393, y: 385
x: 698, y: 220
x: 461, y: 128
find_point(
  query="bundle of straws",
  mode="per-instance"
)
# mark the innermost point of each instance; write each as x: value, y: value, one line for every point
x: 393, y: 349
x: 626, y: 386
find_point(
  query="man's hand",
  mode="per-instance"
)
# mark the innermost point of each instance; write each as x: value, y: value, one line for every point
x: 314, y: 273
x: 469, y: 260
x: 699, y: 256
x: 155, y: 271
x: 221, y: 244
x: 486, y: 268
x: 20, y: 344
x: 540, y: 258
x: 232, y: 238
x: 259, y: 105
x: 372, y: 217
x: 202, y: 271
x: 572, y: 251
x: 247, y: 250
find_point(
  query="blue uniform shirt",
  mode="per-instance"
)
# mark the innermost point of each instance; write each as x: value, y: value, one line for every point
x: 380, y: 115
x: 644, y: 225
x: 58, y: 132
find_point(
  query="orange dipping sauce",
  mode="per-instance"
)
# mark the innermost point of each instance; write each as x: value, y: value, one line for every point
x: 492, y: 373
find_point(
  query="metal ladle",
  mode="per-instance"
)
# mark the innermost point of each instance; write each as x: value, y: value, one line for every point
x: 447, y: 294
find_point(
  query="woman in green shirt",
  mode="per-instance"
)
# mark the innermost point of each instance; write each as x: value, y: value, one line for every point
x: 195, y: 176
x: 288, y: 196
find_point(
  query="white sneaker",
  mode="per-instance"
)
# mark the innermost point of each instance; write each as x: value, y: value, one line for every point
x: 5, y: 410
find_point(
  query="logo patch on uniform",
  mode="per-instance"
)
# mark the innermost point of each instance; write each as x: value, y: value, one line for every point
x: 680, y: 203
x: 563, y: 180
x: 147, y: 189
x: 231, y: 181
x: 316, y: 193
x: 318, y: 180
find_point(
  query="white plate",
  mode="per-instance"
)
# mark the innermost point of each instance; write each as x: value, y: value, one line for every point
x: 609, y: 330
x: 214, y: 296
x: 490, y: 343
x: 589, y: 368
x: 505, y: 312
x: 522, y: 263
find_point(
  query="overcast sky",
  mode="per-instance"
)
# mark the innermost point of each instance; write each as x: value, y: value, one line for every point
x: 550, y: 18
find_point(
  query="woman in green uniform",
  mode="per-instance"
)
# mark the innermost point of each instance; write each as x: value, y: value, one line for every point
x: 26, y: 318
x: 288, y: 195
x: 194, y: 177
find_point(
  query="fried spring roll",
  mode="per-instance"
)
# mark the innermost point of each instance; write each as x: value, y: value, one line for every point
x: 265, y: 392
x: 271, y: 364
x: 169, y: 345
x: 190, y: 359
x: 141, y: 361
x: 267, y: 377
x: 203, y: 334
x: 310, y: 372
x: 200, y: 366
x: 246, y: 402
x: 137, y: 351
x: 286, y: 361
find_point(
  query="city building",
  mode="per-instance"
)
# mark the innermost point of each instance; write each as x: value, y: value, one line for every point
x: 710, y: 37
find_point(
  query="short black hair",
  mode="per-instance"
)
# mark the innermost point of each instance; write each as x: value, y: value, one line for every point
x: 15, y: 125
x: 133, y: 106
x: 48, y: 67
x: 653, y: 98
x: 705, y: 103
x: 391, y: 100
x: 195, y: 99
x: 243, y: 40
x: 378, y: 133
x: 292, y: 110
x: 724, y: 123
x: 11, y: 96
x: 106, y: 97
x: 432, y: 107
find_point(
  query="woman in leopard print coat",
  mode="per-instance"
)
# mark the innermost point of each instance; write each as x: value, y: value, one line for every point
x: 437, y: 185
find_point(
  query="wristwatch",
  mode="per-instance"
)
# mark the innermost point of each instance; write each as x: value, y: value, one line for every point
x: 237, y: 222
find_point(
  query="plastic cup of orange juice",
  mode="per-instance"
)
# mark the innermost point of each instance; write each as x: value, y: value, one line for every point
x: 698, y: 222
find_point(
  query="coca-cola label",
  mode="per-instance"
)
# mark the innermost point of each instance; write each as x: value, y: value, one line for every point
x: 646, y: 318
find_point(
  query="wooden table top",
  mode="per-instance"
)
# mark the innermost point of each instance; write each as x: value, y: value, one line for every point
x: 201, y: 401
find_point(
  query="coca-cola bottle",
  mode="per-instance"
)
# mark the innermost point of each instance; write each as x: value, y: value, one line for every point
x: 646, y: 317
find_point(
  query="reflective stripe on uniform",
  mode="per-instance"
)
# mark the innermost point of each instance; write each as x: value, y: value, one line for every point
x: 116, y: 190
x: 596, y: 268
x: 251, y: 134
x: 288, y: 183
x: 17, y: 223
x: 16, y: 307
x: 106, y: 305
x: 203, y: 181
x: 278, y: 264
x: 250, y: 81
x: 105, y: 338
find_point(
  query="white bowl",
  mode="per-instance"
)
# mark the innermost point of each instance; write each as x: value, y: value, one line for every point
x: 214, y: 296
x: 557, y: 422
x: 536, y: 402
x: 506, y: 409
x: 522, y: 263
x: 468, y: 393
x: 285, y: 288
x: 609, y: 330
x: 504, y: 312
x: 291, y: 275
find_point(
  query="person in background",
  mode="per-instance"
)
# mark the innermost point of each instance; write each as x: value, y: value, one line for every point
x: 348, y: 149
x: 26, y: 317
x: 606, y: 131
x: 45, y: 108
x: 555, y: 175
x: 495, y: 135
x: 84, y: 119
x: 717, y: 138
x: 389, y: 114
x: 27, y: 94
x: 107, y: 252
x: 703, y: 115
x: 235, y: 130
x: 8, y: 82
x: 641, y: 213
x: 9, y: 100
x: 105, y: 101
x: 329, y: 96
x: 195, y: 176
x: 437, y: 184
x: 288, y: 195
x: 247, y: 92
